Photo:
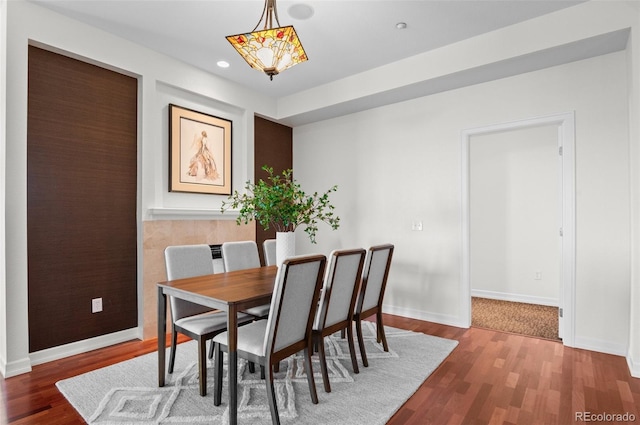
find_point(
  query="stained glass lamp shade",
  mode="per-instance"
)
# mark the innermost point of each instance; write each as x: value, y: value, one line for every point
x: 271, y: 50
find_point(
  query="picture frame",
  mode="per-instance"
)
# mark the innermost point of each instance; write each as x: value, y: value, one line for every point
x: 199, y: 152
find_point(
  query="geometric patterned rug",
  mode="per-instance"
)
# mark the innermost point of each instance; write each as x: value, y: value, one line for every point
x: 127, y: 392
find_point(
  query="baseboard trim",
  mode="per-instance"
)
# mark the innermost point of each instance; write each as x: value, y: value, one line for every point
x: 15, y: 368
x: 443, y: 319
x: 634, y: 366
x: 579, y: 342
x: 518, y: 298
x: 62, y: 351
x: 600, y: 346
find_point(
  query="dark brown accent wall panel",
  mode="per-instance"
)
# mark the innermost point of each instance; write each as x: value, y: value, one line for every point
x: 81, y: 199
x: 273, y: 146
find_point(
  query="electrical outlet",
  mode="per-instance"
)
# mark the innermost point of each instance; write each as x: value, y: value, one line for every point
x: 416, y: 225
x: 538, y: 276
x: 96, y: 305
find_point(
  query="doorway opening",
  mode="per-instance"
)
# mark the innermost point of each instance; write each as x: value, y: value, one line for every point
x: 518, y: 215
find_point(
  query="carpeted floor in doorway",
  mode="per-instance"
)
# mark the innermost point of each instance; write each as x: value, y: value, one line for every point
x: 526, y: 319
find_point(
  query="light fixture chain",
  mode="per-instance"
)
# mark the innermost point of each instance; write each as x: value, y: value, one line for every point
x: 268, y: 13
x: 264, y: 12
x: 275, y: 12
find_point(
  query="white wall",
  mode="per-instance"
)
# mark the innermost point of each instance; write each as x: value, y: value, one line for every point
x: 588, y: 21
x: 161, y: 81
x: 3, y: 143
x: 515, y: 215
x: 403, y: 163
x: 633, y: 57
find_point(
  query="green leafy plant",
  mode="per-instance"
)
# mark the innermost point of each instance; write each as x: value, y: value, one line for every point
x: 280, y: 202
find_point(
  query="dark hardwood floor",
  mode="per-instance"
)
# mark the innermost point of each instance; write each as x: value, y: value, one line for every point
x: 490, y: 378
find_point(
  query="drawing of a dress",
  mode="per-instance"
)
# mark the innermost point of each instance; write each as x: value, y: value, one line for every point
x: 202, y: 163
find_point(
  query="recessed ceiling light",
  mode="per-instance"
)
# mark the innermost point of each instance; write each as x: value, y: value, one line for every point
x: 223, y: 64
x: 300, y: 11
x: 401, y: 25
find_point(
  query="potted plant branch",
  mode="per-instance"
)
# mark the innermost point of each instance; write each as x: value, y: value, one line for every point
x: 280, y: 203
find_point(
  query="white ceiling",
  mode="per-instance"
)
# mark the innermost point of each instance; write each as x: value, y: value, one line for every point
x: 341, y: 38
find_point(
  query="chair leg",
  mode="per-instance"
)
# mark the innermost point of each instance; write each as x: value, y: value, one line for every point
x: 202, y: 365
x: 352, y: 349
x: 309, y: 371
x: 381, y: 335
x: 319, y: 342
x: 252, y: 367
x: 172, y: 354
x: 363, y: 353
x: 271, y: 395
x: 217, y: 382
x: 261, y: 372
x: 211, y: 349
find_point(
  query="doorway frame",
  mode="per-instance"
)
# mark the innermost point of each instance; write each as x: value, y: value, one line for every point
x: 567, y: 230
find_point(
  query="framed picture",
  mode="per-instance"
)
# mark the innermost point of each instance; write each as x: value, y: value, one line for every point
x: 199, y: 152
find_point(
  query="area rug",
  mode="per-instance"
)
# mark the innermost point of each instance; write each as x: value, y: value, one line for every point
x: 521, y: 318
x: 127, y: 392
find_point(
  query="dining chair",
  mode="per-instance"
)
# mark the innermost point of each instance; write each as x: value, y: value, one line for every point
x: 337, y: 304
x: 269, y: 252
x: 372, y: 287
x: 240, y: 255
x: 198, y: 322
x: 285, y: 332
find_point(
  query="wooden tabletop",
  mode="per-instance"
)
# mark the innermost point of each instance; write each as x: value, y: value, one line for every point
x: 241, y: 287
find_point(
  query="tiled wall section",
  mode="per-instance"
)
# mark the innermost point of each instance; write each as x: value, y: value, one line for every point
x: 157, y: 235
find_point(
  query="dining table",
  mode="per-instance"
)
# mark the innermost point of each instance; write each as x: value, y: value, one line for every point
x: 231, y: 292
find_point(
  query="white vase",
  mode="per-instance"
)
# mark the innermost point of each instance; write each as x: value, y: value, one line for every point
x: 285, y: 246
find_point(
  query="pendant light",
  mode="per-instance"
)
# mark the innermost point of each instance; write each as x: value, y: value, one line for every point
x: 271, y: 49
